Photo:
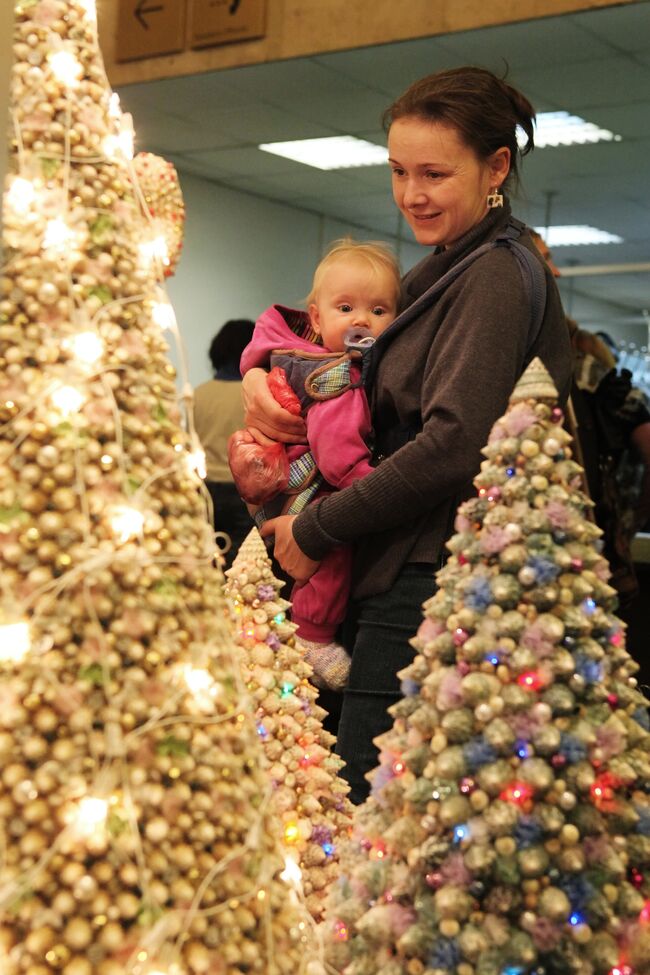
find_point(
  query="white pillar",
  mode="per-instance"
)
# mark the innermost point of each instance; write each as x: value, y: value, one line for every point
x: 6, y: 40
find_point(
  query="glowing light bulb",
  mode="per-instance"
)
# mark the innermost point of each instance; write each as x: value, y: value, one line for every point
x: 121, y: 144
x: 202, y: 686
x: 20, y: 195
x: 196, y: 462
x: 292, y: 874
x: 86, y: 346
x: 15, y: 642
x: 163, y: 315
x: 154, y: 251
x: 58, y: 236
x: 517, y: 793
x: 114, y: 109
x: 197, y: 679
x: 89, y: 8
x: 89, y: 816
x: 291, y: 833
x: 126, y: 522
x: 531, y: 680
x: 66, y: 68
x: 67, y: 399
x: 111, y: 147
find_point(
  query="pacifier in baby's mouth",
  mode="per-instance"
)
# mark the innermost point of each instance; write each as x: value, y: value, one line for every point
x: 358, y: 337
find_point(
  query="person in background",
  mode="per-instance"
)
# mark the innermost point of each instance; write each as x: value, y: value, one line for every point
x: 444, y: 371
x: 316, y: 360
x: 612, y: 430
x: 218, y: 411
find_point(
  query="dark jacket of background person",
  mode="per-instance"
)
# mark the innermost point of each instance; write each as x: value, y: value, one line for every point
x: 446, y: 376
x: 613, y: 429
x: 218, y: 412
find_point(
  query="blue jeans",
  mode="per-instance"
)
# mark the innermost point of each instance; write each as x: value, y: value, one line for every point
x: 384, y: 625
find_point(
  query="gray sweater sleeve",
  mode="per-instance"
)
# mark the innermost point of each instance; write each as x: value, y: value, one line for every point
x: 471, y: 366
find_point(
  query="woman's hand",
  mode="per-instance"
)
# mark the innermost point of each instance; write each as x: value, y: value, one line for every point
x: 286, y: 550
x: 264, y: 417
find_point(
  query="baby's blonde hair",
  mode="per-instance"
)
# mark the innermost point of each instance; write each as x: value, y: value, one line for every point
x: 375, y: 253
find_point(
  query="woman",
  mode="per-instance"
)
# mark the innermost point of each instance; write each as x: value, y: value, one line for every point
x: 439, y: 385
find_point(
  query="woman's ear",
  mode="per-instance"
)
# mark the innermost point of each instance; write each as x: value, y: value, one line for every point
x: 314, y: 317
x: 499, y: 163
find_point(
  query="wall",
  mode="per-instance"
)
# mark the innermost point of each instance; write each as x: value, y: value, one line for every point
x: 238, y: 249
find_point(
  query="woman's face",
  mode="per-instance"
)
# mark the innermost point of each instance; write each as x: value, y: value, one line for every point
x: 439, y: 183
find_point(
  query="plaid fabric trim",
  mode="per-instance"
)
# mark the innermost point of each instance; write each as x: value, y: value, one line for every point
x: 305, y: 497
x: 299, y: 502
x: 332, y: 380
x: 299, y: 471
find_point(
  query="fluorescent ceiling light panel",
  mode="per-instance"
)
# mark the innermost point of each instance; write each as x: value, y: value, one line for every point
x: 333, y: 152
x: 563, y: 129
x: 575, y: 236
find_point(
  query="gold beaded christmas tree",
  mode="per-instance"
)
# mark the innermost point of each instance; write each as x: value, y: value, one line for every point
x: 508, y: 828
x: 309, y: 798
x: 135, y: 835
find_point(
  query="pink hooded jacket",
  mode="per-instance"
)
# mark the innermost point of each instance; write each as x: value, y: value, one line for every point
x: 338, y: 429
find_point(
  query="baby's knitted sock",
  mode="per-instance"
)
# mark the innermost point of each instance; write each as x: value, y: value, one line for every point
x: 330, y: 663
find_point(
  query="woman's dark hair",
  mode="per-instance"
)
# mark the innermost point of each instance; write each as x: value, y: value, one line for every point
x: 230, y: 341
x: 481, y: 107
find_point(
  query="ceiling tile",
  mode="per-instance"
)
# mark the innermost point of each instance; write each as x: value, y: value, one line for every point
x: 625, y: 27
x: 577, y: 85
x: 390, y: 68
x: 547, y: 41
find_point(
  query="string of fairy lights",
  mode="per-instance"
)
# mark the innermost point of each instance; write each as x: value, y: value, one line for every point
x: 43, y: 224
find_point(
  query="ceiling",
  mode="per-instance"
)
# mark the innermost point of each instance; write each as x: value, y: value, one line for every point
x: 594, y: 64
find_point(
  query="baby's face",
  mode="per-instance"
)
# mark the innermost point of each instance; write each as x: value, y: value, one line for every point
x: 352, y: 294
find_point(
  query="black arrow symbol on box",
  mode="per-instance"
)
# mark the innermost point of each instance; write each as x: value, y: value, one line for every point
x: 141, y: 10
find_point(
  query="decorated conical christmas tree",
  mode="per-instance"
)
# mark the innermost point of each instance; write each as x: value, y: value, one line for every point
x: 135, y: 835
x: 309, y: 798
x: 508, y: 830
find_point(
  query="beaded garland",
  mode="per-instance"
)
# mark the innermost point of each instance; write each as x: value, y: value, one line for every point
x: 159, y: 183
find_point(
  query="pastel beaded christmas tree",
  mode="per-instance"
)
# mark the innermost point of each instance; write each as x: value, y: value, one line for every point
x: 135, y: 835
x: 309, y: 797
x: 508, y: 829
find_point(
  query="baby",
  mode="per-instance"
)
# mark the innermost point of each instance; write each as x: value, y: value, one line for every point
x: 315, y: 361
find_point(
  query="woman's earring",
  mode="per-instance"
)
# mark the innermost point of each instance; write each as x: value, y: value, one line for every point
x: 494, y: 198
